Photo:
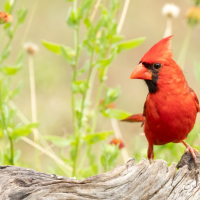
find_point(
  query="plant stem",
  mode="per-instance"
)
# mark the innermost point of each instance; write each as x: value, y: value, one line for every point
x: 11, y: 151
x: 77, y: 133
x: 123, y: 16
x: 76, y: 44
x: 33, y: 95
x: 95, y: 10
x: 85, y: 94
x: 183, y: 52
x: 97, y: 107
x: 168, y: 30
x: 34, y: 107
x: 1, y: 107
x: 80, y: 118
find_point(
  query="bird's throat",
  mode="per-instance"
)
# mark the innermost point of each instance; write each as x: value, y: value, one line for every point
x: 152, y: 84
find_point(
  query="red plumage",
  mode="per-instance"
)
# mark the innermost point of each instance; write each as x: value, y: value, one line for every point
x: 171, y: 106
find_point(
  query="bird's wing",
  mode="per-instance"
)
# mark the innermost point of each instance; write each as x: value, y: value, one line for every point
x: 134, y: 118
x: 195, y: 99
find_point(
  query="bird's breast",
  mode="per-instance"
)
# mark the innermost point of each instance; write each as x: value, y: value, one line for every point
x: 169, y: 118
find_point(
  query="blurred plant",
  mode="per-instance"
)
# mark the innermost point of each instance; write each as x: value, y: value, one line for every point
x: 193, y: 16
x: 118, y: 142
x: 31, y: 50
x: 5, y: 17
x: 109, y: 155
x: 10, y: 131
x: 102, y: 43
x: 170, y: 11
x: 193, y: 19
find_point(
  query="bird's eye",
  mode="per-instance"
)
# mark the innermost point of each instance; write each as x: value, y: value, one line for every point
x: 157, y: 65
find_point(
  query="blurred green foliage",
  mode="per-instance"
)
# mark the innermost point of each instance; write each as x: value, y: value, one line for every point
x: 102, y: 43
x: 10, y: 129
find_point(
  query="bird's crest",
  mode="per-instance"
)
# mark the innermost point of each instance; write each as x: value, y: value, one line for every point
x: 159, y: 52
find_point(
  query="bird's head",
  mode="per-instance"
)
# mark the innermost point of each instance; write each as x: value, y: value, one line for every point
x: 155, y: 64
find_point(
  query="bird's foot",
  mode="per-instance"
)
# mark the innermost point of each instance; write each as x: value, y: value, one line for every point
x: 191, y: 150
x: 150, y: 161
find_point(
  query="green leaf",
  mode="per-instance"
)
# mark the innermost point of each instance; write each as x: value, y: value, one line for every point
x: 79, y: 86
x: 87, y: 22
x: 96, y: 137
x: 11, y: 70
x: 59, y: 49
x: 130, y: 44
x: 21, y: 15
x: 7, y: 6
x: 85, y: 5
x: 72, y: 18
x: 53, y: 47
x: 111, y: 95
x: 104, y: 63
x: 117, y: 38
x: 23, y: 130
x: 66, y: 53
x: 59, y: 141
x: 115, y: 113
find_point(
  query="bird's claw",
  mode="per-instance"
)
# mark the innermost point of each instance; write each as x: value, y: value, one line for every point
x: 192, y: 151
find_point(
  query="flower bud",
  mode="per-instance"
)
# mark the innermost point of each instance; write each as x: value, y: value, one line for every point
x: 193, y: 16
x: 31, y: 48
x: 171, y: 10
x: 116, y: 141
x: 5, y: 17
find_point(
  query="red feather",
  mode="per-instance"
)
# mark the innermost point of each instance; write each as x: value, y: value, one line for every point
x: 160, y: 52
x: 170, y: 111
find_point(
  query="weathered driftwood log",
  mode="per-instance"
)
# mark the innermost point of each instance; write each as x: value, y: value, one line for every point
x: 139, y: 181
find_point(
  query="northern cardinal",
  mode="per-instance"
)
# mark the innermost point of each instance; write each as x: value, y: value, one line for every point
x: 171, y: 106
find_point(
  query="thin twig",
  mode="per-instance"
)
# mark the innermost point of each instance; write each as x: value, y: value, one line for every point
x: 168, y: 30
x: 51, y: 146
x: 123, y: 16
x: 61, y: 162
x: 44, y: 143
x: 95, y: 10
x: 33, y: 95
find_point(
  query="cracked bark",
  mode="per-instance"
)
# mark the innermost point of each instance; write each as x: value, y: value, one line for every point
x: 131, y: 181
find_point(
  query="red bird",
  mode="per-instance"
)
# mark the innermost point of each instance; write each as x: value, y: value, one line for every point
x: 171, y: 106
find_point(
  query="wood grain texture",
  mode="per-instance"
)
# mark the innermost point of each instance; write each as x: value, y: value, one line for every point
x: 131, y: 181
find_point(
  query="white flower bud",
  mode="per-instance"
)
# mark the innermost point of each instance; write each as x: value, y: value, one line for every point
x: 170, y: 10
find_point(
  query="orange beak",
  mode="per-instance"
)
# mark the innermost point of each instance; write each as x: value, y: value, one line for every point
x: 141, y: 72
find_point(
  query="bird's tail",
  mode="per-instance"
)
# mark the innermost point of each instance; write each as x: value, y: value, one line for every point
x: 135, y: 118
